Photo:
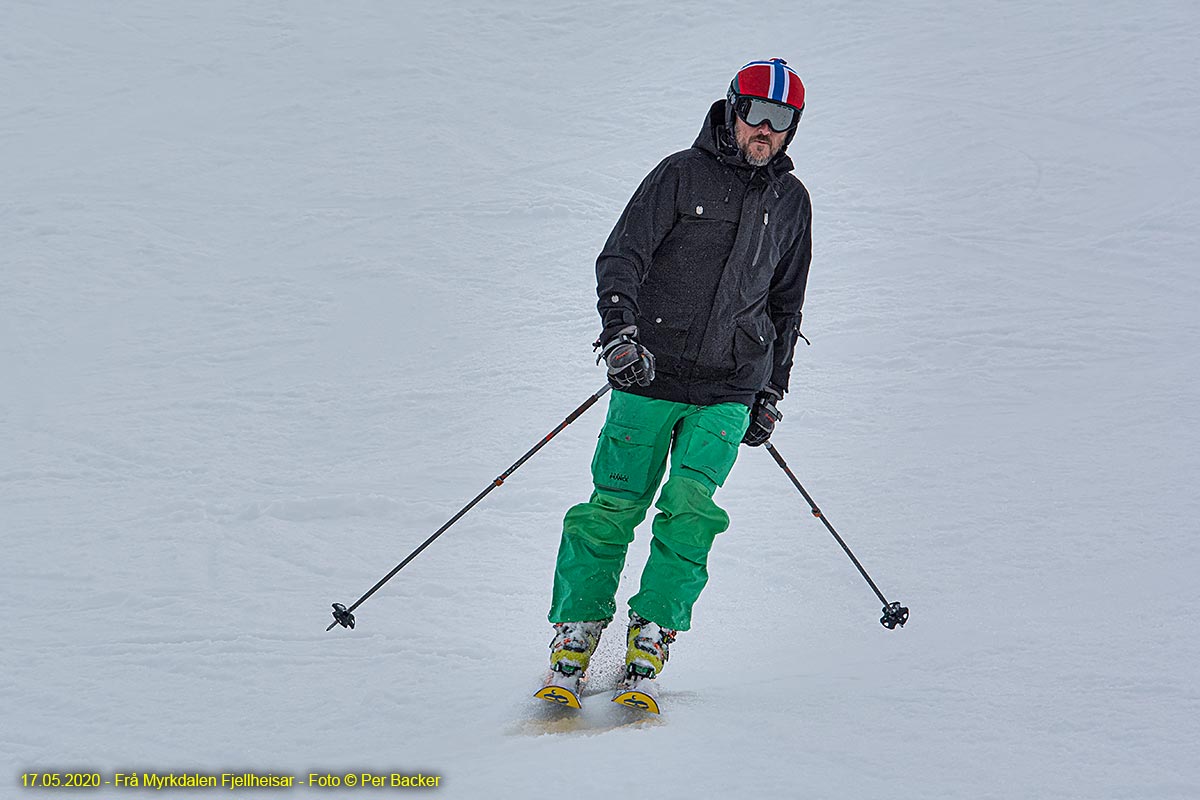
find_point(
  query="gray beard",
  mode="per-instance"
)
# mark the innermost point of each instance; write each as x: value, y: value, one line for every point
x: 755, y: 161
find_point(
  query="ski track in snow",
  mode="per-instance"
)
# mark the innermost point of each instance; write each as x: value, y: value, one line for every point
x: 285, y: 287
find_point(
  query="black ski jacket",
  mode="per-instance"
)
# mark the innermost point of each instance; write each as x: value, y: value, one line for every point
x: 710, y: 260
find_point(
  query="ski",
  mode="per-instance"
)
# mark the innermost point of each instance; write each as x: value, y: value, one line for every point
x: 637, y: 693
x: 561, y: 689
x: 568, y: 691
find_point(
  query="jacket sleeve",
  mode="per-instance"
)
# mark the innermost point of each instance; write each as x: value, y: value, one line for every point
x: 625, y: 259
x: 786, y: 300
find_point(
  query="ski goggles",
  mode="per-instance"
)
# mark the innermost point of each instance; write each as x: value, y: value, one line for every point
x: 755, y: 111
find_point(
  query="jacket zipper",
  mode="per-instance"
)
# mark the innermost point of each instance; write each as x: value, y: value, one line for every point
x: 761, y: 233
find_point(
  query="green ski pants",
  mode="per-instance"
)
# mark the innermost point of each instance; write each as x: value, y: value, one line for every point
x: 631, y: 457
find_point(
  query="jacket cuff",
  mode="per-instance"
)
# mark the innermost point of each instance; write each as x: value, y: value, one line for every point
x: 615, y: 320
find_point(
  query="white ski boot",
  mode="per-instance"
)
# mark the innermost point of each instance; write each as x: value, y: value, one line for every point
x: 570, y: 651
x: 648, y: 647
x: 647, y: 650
x: 573, y: 644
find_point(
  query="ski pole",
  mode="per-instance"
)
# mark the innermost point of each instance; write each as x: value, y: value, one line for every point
x: 893, y: 613
x: 345, y: 616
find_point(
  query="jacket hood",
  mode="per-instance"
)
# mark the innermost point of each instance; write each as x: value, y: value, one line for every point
x: 716, y: 139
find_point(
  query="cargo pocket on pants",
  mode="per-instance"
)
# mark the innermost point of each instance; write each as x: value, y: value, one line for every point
x: 712, y: 449
x: 624, y: 459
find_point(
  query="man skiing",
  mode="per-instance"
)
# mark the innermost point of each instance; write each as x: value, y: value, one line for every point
x: 700, y: 290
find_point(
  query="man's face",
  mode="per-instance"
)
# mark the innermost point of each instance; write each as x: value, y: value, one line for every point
x: 758, y: 144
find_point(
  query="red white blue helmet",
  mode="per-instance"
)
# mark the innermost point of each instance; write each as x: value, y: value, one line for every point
x: 771, y: 83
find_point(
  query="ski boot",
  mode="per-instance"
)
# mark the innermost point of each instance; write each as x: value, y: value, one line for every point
x: 648, y: 648
x: 573, y: 644
x: 570, y: 651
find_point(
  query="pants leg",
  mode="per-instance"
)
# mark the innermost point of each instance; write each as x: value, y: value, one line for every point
x: 629, y: 463
x: 706, y: 446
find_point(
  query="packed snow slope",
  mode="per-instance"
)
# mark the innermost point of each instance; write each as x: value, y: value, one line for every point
x: 284, y: 285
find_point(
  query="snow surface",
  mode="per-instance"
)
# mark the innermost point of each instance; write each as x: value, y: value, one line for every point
x: 284, y: 285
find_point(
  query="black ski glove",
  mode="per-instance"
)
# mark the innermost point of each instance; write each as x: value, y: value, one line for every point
x: 628, y: 361
x: 763, y: 417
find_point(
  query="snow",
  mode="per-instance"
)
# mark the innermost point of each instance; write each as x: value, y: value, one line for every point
x: 285, y: 285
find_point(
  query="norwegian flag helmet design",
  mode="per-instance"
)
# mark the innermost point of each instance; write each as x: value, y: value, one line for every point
x: 772, y: 80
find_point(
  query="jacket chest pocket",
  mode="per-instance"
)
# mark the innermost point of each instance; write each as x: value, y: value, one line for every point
x: 708, y: 208
x: 767, y: 245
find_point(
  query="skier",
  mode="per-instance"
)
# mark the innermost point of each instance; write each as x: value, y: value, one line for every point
x: 700, y: 290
